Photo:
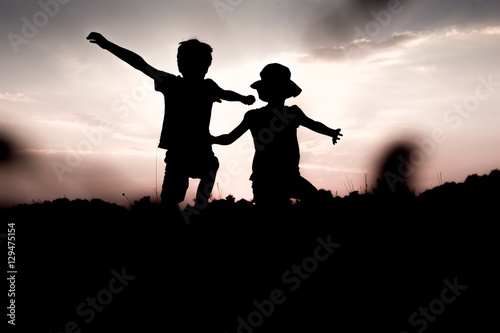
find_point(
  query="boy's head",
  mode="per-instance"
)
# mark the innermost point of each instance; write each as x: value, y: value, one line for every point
x: 194, y: 58
x: 275, y: 83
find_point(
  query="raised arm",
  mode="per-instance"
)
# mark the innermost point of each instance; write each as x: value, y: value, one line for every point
x: 232, y: 96
x: 128, y: 56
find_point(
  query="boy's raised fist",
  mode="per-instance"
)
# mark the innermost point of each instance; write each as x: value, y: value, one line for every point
x: 97, y: 38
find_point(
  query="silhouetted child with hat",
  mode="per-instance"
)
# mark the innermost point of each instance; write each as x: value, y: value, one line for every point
x: 275, y: 167
x: 188, y: 108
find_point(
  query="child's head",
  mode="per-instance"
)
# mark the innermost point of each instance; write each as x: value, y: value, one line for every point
x: 194, y: 58
x: 275, y: 84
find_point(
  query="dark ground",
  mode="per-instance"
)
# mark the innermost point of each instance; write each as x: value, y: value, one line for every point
x: 389, y: 259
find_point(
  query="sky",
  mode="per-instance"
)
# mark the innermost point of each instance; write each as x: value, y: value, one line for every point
x: 82, y: 124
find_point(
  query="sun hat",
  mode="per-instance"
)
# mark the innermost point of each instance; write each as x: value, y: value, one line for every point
x: 276, y: 76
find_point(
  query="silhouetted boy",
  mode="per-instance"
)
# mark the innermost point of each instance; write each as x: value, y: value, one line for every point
x: 275, y: 168
x: 188, y: 107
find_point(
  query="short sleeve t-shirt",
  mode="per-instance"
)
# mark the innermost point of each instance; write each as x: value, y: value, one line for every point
x: 188, y: 109
x: 274, y: 135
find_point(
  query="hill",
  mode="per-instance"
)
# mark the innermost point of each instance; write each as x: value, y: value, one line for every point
x: 374, y: 261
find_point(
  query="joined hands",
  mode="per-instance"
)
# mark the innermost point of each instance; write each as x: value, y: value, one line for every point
x: 248, y: 100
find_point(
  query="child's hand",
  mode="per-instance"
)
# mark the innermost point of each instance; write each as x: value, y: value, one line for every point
x: 336, y: 137
x: 97, y: 38
x: 248, y: 100
x: 215, y: 140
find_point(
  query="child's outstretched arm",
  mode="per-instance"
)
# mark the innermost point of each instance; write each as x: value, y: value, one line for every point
x: 128, y: 56
x: 227, y: 139
x: 321, y: 128
x: 231, y: 96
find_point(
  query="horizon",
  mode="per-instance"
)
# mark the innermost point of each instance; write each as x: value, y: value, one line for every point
x: 155, y: 201
x: 82, y: 124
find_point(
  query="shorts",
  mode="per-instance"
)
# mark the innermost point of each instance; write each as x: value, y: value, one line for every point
x: 181, y: 166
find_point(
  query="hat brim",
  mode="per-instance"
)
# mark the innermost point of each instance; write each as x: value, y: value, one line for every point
x: 290, y: 88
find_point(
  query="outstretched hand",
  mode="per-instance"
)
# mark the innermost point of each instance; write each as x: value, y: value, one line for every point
x: 97, y: 38
x: 337, y: 136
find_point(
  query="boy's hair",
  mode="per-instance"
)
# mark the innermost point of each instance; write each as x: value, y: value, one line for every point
x: 192, y: 53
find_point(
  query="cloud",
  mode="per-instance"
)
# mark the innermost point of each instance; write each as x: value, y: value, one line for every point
x: 17, y: 97
x: 324, y: 167
x: 343, y: 22
x: 316, y: 147
x: 364, y: 47
x: 437, y: 14
x: 359, y: 47
x: 70, y: 64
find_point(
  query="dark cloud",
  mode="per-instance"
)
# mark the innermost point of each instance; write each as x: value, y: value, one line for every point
x: 430, y: 15
x: 344, y: 22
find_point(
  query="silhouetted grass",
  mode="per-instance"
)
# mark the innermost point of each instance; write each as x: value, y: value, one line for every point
x: 395, y: 252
